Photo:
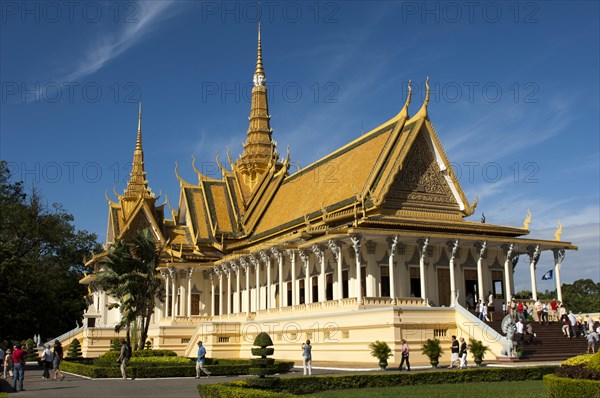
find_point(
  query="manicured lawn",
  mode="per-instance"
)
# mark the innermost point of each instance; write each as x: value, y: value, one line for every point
x: 521, y: 389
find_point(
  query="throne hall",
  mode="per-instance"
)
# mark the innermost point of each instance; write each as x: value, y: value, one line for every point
x: 370, y: 242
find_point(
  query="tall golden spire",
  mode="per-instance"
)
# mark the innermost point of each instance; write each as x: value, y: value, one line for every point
x: 138, y: 185
x: 259, y: 149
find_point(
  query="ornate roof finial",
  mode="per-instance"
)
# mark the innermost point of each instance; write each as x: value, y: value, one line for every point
x: 423, y: 111
x: 259, y: 74
x: 259, y: 151
x: 138, y: 185
x: 138, y: 141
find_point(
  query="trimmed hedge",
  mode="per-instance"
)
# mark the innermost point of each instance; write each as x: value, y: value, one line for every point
x: 237, y: 389
x: 562, y: 387
x: 141, y: 368
x: 294, y: 386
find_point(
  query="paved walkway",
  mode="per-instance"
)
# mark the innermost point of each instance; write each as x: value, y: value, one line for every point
x: 180, y: 387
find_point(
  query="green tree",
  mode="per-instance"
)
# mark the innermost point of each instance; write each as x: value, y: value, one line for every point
x: 41, y: 263
x: 581, y: 296
x: 128, y: 273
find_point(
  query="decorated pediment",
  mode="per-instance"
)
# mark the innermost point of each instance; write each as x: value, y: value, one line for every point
x: 421, y: 184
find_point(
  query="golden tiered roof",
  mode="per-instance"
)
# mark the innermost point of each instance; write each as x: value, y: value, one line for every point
x: 394, y: 179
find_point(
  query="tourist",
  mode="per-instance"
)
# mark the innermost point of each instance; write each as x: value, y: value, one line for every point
x: 454, y: 348
x: 545, y: 313
x: 592, y: 340
x: 554, y: 308
x: 590, y: 323
x: 573, y: 324
x: 530, y: 333
x: 8, y: 364
x: 484, y: 312
x: 463, y: 354
x: 18, y: 356
x: 124, y: 358
x: 566, y: 328
x: 307, y: 358
x: 581, y: 325
x: 58, y: 355
x: 561, y: 310
x: 521, y: 329
x: 200, y: 361
x: 405, y: 355
x: 513, y: 309
x: 538, y: 310
x: 490, y: 305
x: 521, y: 311
x: 47, y: 358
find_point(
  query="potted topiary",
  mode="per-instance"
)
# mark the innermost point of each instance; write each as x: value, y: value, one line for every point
x: 478, y: 350
x: 382, y: 351
x: 433, y: 350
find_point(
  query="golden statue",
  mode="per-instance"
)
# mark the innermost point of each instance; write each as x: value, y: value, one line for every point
x: 558, y: 232
x: 527, y: 220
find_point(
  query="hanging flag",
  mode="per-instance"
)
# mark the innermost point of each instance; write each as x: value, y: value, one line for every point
x: 548, y: 275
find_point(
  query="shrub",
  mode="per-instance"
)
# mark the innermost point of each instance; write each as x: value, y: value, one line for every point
x: 594, y: 363
x: 577, y: 372
x: 433, y: 350
x: 74, y: 349
x: 578, y: 360
x: 562, y: 387
x: 380, y: 350
x: 237, y: 389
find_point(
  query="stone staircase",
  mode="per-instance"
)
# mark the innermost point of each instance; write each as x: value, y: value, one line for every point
x: 549, y: 343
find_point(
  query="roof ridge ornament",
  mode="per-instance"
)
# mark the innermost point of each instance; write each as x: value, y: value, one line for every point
x: 403, y: 114
x: 423, y: 111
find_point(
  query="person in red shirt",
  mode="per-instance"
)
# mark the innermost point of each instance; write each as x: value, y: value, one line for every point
x: 554, y: 314
x: 19, y: 372
x: 520, y: 311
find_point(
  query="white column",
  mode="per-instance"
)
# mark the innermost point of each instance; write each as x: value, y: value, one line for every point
x: 267, y: 260
x: 190, y: 272
x: 559, y: 256
x: 453, y: 246
x: 236, y: 301
x: 307, y: 285
x: 279, y: 256
x: 220, y: 274
x: 373, y: 274
x: 356, y: 245
x: 165, y: 275
x: 509, y: 265
x: 212, y: 294
x: 534, y: 256
x: 422, y: 244
x: 227, y: 272
x: 482, y: 247
x: 256, y: 264
x: 174, y: 292
x: 321, y: 280
x: 337, y: 253
x: 292, y: 255
x: 393, y: 242
x: 246, y: 268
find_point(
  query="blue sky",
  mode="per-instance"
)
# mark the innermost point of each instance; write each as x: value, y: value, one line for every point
x: 515, y: 97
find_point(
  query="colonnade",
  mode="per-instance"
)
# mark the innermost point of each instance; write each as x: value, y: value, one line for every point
x: 256, y: 281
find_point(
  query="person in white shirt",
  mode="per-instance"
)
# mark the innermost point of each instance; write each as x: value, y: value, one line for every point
x: 521, y: 329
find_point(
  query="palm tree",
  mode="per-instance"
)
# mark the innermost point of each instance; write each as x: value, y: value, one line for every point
x: 129, y: 274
